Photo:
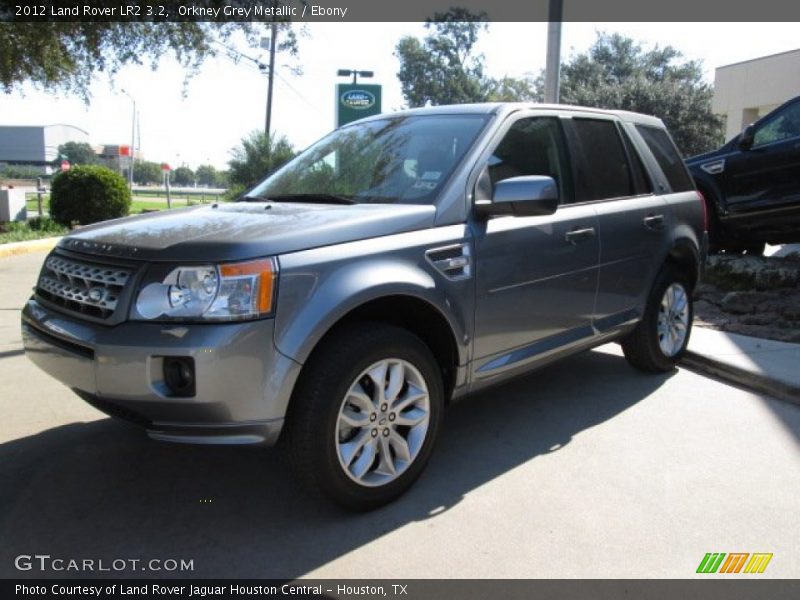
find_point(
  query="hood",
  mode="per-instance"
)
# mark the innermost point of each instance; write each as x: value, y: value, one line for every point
x: 724, y: 150
x: 242, y: 230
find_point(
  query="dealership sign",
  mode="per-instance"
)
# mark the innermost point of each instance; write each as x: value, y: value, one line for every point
x: 356, y: 101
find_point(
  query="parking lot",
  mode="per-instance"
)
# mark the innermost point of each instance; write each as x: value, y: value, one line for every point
x: 585, y: 469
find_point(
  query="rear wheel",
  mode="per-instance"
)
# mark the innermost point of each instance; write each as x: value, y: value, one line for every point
x: 659, y: 340
x: 365, y: 416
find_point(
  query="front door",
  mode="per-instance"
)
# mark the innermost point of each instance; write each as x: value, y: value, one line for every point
x: 536, y: 277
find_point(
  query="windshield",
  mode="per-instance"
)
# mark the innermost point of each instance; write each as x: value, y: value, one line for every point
x: 391, y: 160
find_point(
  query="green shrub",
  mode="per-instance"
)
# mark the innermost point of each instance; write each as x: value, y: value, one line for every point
x: 45, y: 225
x: 34, y: 229
x: 87, y: 194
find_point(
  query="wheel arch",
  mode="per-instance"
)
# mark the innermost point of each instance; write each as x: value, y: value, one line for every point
x: 685, y: 256
x: 414, y: 314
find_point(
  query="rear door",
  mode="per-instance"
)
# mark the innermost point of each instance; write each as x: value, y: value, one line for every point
x: 536, y: 277
x: 631, y: 218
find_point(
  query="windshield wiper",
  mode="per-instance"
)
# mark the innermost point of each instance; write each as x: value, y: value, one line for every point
x: 252, y: 199
x: 314, y: 198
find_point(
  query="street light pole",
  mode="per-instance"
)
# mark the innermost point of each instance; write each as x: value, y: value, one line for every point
x: 553, y: 66
x: 355, y: 73
x: 271, y: 75
x: 133, y: 140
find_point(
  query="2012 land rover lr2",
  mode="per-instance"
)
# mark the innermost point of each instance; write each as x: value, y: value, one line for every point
x: 401, y: 262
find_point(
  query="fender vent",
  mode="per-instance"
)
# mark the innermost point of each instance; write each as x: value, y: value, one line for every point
x: 454, y: 262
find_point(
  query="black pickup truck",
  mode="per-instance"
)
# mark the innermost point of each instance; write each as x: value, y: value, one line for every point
x: 752, y: 184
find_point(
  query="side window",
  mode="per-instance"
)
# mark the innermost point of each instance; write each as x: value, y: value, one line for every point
x: 667, y: 157
x: 641, y: 182
x: 604, y: 171
x: 784, y: 125
x: 533, y: 146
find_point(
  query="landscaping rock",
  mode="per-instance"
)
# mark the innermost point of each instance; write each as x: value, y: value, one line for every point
x: 752, y: 295
x: 741, y: 303
x: 752, y: 272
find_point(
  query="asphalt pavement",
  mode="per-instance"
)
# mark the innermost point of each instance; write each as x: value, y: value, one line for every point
x: 585, y: 469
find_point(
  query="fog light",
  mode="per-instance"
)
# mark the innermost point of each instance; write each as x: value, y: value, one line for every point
x: 179, y: 375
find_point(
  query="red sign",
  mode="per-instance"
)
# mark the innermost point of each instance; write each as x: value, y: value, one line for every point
x: 165, y: 167
x: 124, y: 150
x: 65, y: 165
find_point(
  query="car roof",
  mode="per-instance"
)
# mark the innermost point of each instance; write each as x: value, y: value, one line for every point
x: 505, y: 108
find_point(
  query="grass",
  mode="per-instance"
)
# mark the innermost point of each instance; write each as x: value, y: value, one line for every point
x: 138, y: 206
x: 35, y: 229
x: 140, y: 202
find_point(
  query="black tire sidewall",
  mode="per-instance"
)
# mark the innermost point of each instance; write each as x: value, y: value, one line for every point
x: 378, y: 343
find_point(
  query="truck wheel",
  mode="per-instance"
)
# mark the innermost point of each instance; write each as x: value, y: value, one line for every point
x: 659, y: 340
x: 365, y: 415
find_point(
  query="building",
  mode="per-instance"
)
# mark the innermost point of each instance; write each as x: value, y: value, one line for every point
x: 36, y: 145
x: 746, y: 91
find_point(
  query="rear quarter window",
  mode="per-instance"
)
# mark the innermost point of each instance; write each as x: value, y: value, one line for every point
x: 667, y: 157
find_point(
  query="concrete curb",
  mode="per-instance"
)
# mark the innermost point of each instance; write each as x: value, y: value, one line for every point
x: 15, y: 248
x: 741, y: 377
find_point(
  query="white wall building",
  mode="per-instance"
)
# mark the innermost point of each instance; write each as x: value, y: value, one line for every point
x: 746, y: 91
x: 36, y: 145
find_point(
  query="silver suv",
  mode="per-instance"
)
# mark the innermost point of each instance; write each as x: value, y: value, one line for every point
x: 395, y: 266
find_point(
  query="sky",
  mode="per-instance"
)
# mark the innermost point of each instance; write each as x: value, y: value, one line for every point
x: 200, y: 123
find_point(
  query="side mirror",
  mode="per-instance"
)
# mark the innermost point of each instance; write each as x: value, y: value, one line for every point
x: 529, y: 196
x: 747, y: 137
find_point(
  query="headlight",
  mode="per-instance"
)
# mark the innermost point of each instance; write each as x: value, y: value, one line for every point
x: 210, y: 292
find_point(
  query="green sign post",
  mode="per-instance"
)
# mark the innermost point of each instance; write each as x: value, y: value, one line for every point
x: 355, y: 101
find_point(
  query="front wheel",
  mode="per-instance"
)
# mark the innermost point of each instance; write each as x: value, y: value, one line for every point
x: 365, y: 416
x: 659, y: 340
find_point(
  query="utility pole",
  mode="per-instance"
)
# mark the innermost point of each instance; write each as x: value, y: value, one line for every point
x: 271, y: 75
x: 553, y: 67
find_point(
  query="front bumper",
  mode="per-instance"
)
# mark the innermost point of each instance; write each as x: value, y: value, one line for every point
x: 243, y: 384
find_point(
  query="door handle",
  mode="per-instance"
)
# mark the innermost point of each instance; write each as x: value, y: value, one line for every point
x: 654, y: 222
x: 579, y: 235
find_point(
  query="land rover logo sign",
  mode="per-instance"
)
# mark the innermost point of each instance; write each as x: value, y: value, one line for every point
x: 358, y: 99
x: 355, y: 101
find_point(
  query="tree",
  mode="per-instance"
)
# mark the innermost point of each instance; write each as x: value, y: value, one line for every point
x: 206, y: 175
x: 182, y: 176
x: 78, y: 153
x: 65, y: 55
x: 145, y: 172
x: 616, y: 72
x: 511, y: 89
x: 443, y: 68
x: 258, y: 156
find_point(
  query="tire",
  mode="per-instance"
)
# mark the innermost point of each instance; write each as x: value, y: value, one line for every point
x: 654, y: 346
x: 343, y: 437
x: 716, y: 242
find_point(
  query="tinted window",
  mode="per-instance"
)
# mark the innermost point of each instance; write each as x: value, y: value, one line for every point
x: 641, y: 183
x: 604, y: 171
x: 667, y: 157
x: 533, y: 147
x: 786, y: 124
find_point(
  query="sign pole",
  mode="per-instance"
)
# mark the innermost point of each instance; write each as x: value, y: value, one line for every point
x: 165, y: 169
